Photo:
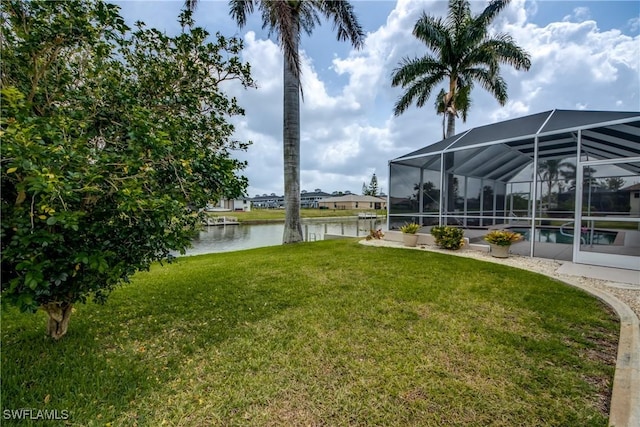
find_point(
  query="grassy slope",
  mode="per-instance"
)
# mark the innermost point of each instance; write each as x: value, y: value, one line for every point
x: 330, y: 333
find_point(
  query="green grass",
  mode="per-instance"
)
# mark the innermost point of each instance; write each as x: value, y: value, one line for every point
x: 328, y: 333
x: 258, y: 215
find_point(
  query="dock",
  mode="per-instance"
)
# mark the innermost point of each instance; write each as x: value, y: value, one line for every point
x: 220, y: 220
x: 367, y: 215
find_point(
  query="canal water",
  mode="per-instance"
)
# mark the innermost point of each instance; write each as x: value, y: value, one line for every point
x: 228, y: 238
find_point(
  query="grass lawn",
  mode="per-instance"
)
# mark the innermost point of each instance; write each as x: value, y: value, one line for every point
x: 327, y: 333
x: 257, y: 215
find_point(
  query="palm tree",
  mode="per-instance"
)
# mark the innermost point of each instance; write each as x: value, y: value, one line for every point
x: 549, y: 172
x: 570, y: 176
x: 287, y: 19
x: 462, y: 51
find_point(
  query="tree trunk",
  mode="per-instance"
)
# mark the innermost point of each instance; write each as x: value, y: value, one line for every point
x: 451, y: 124
x: 59, y: 316
x: 451, y: 108
x: 291, y: 150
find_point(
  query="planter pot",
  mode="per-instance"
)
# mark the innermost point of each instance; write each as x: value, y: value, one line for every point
x: 499, y: 251
x: 410, y: 239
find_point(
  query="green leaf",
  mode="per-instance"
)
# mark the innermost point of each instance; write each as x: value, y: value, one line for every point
x: 30, y: 281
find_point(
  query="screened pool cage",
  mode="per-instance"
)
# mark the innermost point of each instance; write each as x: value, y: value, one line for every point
x: 569, y: 181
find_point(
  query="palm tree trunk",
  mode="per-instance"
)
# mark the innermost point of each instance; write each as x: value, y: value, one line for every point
x: 449, y: 196
x: 291, y: 148
x: 451, y: 124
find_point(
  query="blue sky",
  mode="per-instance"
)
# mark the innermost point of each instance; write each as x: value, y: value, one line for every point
x: 585, y: 55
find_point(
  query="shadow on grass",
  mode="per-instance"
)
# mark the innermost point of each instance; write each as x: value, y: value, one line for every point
x: 115, y: 353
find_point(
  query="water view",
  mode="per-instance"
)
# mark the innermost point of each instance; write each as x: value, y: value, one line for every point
x: 228, y: 238
x: 555, y: 235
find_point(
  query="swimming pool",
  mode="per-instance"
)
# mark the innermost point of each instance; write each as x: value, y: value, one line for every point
x: 554, y: 235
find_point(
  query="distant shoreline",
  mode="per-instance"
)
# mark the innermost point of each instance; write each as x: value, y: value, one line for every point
x: 323, y: 218
x: 269, y: 216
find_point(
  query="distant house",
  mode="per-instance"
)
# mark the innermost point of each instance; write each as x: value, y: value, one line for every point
x: 268, y: 201
x: 310, y: 199
x: 230, y: 205
x: 634, y: 198
x: 353, y: 201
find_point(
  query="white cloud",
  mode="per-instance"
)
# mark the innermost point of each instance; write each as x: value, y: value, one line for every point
x: 579, y: 14
x: 348, y: 131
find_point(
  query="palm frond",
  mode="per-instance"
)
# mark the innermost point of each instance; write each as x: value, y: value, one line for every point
x: 459, y: 13
x: 440, y: 104
x: 190, y: 4
x: 463, y: 100
x: 491, y: 12
x: 308, y: 15
x: 432, y: 32
x: 345, y: 21
x: 491, y: 82
x: 418, y: 92
x: 506, y: 51
x: 283, y: 19
x: 413, y: 69
x: 239, y: 10
x: 405, y: 101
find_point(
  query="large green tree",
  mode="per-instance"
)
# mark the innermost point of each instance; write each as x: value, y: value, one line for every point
x: 462, y: 52
x: 111, y: 142
x: 287, y: 20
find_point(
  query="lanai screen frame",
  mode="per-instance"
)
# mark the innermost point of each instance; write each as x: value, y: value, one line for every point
x: 601, y: 138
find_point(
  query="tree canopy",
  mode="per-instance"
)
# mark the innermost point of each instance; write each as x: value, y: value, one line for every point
x: 112, y: 140
x: 462, y: 51
x: 371, y: 189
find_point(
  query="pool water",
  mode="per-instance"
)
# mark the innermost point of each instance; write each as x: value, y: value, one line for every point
x: 553, y: 235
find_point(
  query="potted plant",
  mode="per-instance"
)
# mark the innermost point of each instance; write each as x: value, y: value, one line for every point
x: 500, y: 241
x: 409, y: 236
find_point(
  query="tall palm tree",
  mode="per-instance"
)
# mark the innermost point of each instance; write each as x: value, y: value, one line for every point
x: 462, y: 51
x: 549, y: 172
x: 570, y: 176
x: 287, y: 19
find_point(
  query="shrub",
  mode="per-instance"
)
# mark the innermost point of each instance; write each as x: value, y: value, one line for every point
x: 448, y: 237
x: 375, y: 234
x: 410, y: 228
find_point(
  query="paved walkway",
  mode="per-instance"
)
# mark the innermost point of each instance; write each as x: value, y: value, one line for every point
x: 618, y: 288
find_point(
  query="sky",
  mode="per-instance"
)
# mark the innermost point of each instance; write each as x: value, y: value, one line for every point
x: 585, y: 55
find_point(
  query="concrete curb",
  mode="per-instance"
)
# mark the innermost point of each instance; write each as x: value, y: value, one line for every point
x: 625, y: 396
